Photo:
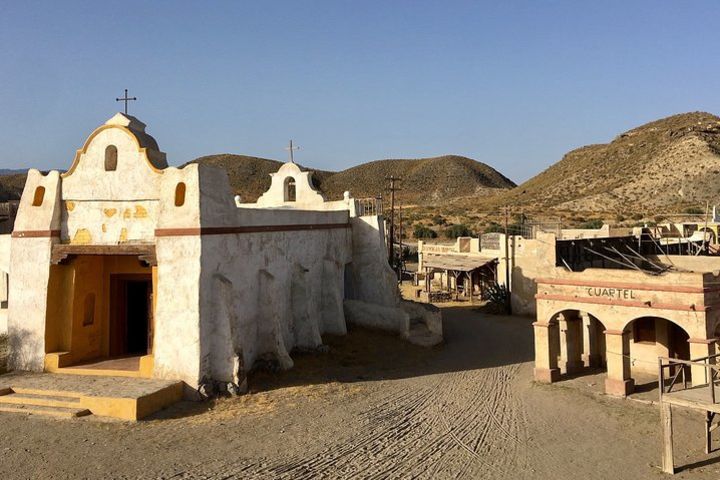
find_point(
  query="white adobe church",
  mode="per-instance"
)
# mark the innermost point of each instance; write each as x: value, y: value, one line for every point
x: 122, y: 257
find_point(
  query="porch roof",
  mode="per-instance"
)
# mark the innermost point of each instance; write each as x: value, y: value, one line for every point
x: 458, y: 263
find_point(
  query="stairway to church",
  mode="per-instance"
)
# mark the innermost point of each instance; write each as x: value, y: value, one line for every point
x: 70, y: 396
x: 41, y: 402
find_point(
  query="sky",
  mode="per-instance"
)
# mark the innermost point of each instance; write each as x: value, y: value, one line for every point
x: 514, y: 84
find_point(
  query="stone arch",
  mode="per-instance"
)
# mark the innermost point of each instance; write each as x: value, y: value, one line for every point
x: 629, y: 324
x: 716, y: 332
x: 552, y: 319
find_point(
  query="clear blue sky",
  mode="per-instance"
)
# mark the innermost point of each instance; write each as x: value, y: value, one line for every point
x: 510, y: 83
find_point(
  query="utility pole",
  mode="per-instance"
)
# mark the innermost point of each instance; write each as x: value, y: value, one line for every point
x: 400, y: 237
x: 507, y: 261
x: 391, y: 233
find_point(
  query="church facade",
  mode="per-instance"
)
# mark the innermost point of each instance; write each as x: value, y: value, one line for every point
x: 122, y: 257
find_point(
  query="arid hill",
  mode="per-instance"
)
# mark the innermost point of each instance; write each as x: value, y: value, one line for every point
x: 663, y: 166
x: 434, y: 180
x: 11, y: 186
x: 249, y: 176
x: 427, y: 180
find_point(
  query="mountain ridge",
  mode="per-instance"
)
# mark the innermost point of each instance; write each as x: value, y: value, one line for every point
x: 665, y: 164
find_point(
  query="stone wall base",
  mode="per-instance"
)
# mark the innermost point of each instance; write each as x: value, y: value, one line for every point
x: 547, y: 375
x: 570, y: 367
x: 619, y: 388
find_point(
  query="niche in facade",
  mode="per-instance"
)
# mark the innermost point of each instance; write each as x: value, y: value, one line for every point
x: 39, y: 196
x: 111, y: 157
x: 180, y: 194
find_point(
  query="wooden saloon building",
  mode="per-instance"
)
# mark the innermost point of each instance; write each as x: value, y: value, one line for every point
x: 458, y: 269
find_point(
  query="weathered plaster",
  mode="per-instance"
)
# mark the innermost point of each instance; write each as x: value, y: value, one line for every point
x: 234, y: 283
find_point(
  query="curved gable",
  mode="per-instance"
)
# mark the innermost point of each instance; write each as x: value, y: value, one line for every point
x: 304, y: 194
x: 118, y: 161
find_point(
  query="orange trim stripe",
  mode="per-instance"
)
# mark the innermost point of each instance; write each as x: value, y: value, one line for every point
x: 622, y: 303
x: 35, y: 233
x: 632, y: 286
x: 179, y: 232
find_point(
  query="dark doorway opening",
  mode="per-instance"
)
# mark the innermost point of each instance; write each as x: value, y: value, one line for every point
x: 131, y: 315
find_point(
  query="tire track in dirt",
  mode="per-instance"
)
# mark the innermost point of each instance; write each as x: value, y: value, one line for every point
x: 455, y: 425
x: 461, y: 423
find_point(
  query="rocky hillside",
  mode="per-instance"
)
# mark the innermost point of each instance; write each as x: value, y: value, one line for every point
x: 434, y: 180
x: 425, y: 181
x: 665, y: 165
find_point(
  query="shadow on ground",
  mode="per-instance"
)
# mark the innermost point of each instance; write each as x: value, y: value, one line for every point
x: 473, y: 340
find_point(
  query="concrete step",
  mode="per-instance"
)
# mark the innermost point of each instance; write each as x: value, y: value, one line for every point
x: 60, y: 412
x: 123, y: 398
x: 42, y: 400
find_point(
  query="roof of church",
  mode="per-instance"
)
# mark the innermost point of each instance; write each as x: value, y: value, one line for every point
x: 136, y: 127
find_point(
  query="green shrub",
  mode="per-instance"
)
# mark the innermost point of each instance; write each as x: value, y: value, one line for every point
x: 593, y: 224
x: 494, y: 227
x: 694, y: 210
x: 422, y: 231
x: 439, y: 220
x: 459, y: 230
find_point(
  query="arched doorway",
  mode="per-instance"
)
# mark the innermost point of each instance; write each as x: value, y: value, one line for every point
x: 652, y: 337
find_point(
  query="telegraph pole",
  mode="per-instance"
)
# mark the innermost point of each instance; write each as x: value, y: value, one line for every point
x: 400, y: 241
x: 391, y: 233
x: 507, y: 262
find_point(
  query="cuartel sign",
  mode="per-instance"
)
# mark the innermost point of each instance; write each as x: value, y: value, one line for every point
x: 616, y: 293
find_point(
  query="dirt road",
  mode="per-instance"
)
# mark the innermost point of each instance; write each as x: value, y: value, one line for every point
x: 376, y: 408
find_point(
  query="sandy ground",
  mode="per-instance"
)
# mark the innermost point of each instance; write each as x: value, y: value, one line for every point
x: 374, y: 407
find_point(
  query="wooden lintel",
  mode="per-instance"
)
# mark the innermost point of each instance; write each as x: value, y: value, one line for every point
x: 64, y: 252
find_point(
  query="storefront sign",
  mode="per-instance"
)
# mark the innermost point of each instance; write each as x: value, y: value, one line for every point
x: 615, y: 293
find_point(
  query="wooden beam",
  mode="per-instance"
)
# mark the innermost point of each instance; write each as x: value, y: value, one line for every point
x: 63, y: 252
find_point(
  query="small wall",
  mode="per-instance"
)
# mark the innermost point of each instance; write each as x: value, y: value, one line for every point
x: 689, y: 262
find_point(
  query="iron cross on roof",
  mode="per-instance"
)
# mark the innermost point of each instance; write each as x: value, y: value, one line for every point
x: 125, y: 99
x: 291, y: 149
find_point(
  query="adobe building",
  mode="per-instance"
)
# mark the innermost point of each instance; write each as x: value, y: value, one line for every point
x: 122, y: 257
x: 623, y: 321
x: 470, y: 264
x: 602, y: 300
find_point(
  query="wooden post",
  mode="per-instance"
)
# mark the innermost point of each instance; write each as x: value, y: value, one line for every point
x: 708, y: 432
x: 507, y: 262
x: 456, y: 284
x: 668, y: 465
x: 427, y: 282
